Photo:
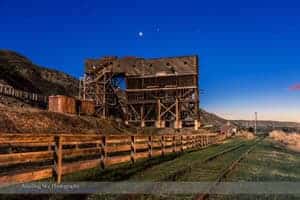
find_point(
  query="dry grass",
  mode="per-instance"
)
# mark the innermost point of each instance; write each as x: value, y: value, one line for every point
x: 290, y: 140
x: 246, y: 135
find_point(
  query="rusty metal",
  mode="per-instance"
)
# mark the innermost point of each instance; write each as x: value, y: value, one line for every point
x: 62, y: 104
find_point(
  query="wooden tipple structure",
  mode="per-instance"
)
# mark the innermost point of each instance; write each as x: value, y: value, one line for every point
x: 162, y: 92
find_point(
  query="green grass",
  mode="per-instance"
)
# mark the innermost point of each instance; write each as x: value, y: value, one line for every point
x: 268, y: 162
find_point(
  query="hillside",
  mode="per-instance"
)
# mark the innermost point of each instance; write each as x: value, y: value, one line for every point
x: 207, y: 118
x: 20, y: 73
x: 30, y: 120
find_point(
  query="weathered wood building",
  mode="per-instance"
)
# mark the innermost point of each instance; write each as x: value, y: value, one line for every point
x: 162, y: 92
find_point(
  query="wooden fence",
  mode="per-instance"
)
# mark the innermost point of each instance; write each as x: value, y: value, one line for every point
x: 66, y: 153
x: 10, y: 91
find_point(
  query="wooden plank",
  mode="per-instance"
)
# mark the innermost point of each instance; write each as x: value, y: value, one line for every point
x: 78, y: 166
x: 118, y: 140
x: 168, y: 144
x: 26, y: 176
x: 117, y: 160
x: 141, y: 155
x: 68, y: 153
x: 17, y: 158
x: 118, y: 148
x: 141, y: 146
x: 156, y: 138
x: 12, y: 139
x: 37, y: 144
x: 82, y: 142
x: 156, y: 153
x: 85, y: 138
x: 156, y: 144
x: 168, y: 150
x: 141, y: 138
x: 168, y: 138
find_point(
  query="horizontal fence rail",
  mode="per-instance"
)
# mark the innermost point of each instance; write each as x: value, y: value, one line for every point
x: 49, y: 156
x: 10, y: 91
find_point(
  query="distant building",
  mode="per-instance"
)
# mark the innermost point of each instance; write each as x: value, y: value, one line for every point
x: 229, y: 129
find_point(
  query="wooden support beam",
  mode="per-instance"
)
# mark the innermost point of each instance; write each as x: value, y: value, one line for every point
x: 142, y: 116
x: 158, y: 120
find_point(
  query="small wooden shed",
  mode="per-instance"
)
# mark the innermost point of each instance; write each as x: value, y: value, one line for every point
x: 62, y: 104
x: 87, y: 107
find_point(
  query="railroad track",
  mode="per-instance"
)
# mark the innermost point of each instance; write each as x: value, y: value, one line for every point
x: 214, y: 168
x: 223, y: 174
x: 189, y: 169
x: 174, y: 176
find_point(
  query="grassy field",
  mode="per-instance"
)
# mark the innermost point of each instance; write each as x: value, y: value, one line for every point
x: 269, y: 162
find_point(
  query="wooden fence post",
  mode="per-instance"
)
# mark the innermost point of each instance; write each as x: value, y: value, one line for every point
x: 162, y: 141
x: 58, y: 158
x: 181, y: 143
x: 103, y: 153
x: 194, y: 141
x: 189, y: 141
x: 133, y: 150
x: 206, y: 140
x: 150, y: 146
x: 174, y: 143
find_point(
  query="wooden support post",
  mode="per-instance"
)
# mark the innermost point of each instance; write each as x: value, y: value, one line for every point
x: 142, y: 116
x: 177, y: 114
x: 133, y: 150
x: 150, y: 146
x: 158, y: 120
x: 196, y: 124
x: 103, y: 153
x: 58, y: 158
x: 162, y: 141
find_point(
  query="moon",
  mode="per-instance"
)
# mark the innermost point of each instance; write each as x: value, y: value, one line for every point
x: 141, y: 34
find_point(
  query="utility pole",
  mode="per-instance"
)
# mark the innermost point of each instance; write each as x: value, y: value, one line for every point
x: 255, y: 124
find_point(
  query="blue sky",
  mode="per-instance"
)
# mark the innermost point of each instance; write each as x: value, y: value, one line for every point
x: 249, y: 50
